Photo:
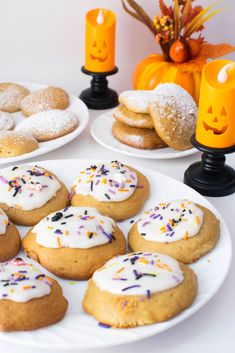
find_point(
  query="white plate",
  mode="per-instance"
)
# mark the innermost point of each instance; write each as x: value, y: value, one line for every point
x: 76, y: 106
x: 79, y: 330
x: 101, y: 131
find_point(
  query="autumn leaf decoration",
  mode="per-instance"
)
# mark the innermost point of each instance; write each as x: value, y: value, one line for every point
x: 178, y: 29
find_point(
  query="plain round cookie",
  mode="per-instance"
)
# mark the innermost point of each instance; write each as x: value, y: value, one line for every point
x: 34, y: 314
x: 14, y: 143
x: 131, y: 311
x: 118, y: 211
x: 11, y: 95
x: 174, y: 114
x: 146, y: 139
x: 44, y: 99
x: 49, y: 125
x: 136, y: 100
x: 30, y: 218
x: 9, y: 243
x: 74, y: 263
x: 6, y: 121
x: 127, y: 117
x: 186, y: 251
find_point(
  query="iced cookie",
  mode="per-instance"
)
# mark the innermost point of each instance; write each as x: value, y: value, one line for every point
x: 11, y: 95
x: 136, y: 101
x: 74, y: 242
x: 116, y: 190
x: 127, y: 117
x: 139, y: 289
x: 28, y: 298
x: 45, y: 99
x: 6, y: 121
x: 9, y: 238
x: 146, y: 139
x: 49, y: 125
x: 174, y: 115
x: 29, y: 193
x: 14, y: 143
x: 179, y: 228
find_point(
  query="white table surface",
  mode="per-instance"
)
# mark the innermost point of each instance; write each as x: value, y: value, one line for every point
x: 209, y: 330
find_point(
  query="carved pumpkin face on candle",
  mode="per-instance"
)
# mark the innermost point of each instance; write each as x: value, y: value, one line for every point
x: 99, y: 51
x: 100, y: 40
x: 216, y: 118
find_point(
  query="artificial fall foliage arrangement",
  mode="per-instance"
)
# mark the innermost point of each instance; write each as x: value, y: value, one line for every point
x: 179, y: 32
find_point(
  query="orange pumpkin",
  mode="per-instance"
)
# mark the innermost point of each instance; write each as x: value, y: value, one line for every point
x: 153, y: 70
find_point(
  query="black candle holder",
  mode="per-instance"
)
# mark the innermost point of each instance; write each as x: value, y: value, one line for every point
x: 211, y: 176
x: 99, y: 95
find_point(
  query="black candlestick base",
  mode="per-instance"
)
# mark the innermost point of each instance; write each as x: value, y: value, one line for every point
x: 99, y: 95
x: 211, y: 177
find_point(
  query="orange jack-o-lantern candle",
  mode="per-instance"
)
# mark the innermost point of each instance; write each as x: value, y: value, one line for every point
x: 100, y: 40
x: 216, y: 117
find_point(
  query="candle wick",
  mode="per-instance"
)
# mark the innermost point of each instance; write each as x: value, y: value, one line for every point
x: 100, y: 18
x: 223, y: 74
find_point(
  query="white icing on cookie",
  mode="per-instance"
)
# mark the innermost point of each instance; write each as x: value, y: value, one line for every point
x: 138, y: 274
x: 6, y: 121
x: 136, y: 101
x: 109, y: 182
x: 171, y: 221
x: 4, y: 221
x: 27, y: 187
x: 74, y: 227
x: 21, y: 282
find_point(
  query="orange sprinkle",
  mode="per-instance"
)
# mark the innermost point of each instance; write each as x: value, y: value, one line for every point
x: 50, y: 227
x: 182, y: 205
x: 58, y: 241
x: 186, y: 235
x: 26, y: 287
x: 66, y: 232
x: 123, y: 190
x: 198, y: 220
x: 120, y: 270
x: 143, y: 261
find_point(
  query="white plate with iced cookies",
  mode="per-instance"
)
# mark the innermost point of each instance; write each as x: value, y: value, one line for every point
x: 154, y: 124
x: 36, y: 119
x: 77, y: 218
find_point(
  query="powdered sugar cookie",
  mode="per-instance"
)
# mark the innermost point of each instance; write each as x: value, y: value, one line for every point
x: 9, y: 238
x: 174, y: 114
x: 146, y: 139
x: 14, y: 143
x: 49, y: 125
x: 11, y: 95
x: 139, y: 289
x: 136, y: 101
x: 28, y: 298
x: 6, y: 121
x: 132, y: 119
x: 45, y: 99
x: 29, y: 193
x: 178, y: 228
x: 116, y: 190
x: 74, y: 242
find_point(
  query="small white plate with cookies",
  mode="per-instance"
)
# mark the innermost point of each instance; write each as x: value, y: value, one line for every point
x: 78, y: 329
x: 101, y: 131
x: 39, y: 132
x: 155, y: 124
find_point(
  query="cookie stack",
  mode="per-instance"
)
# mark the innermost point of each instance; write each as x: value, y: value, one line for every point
x: 134, y: 126
x: 164, y: 117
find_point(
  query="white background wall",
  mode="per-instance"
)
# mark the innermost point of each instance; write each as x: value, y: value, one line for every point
x: 43, y: 40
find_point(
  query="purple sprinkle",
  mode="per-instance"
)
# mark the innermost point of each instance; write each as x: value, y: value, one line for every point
x: 65, y: 209
x: 4, y: 295
x: 58, y: 231
x: 158, y: 215
x: 130, y: 287
x: 124, y: 304
x: 103, y: 325
x: 119, y: 279
x: 112, y: 192
x: 168, y: 227
x: 4, y: 180
x: 148, y: 294
x: 176, y: 278
x: 80, y: 227
x: 171, y: 234
x: 190, y: 211
x: 22, y: 271
x: 145, y: 223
